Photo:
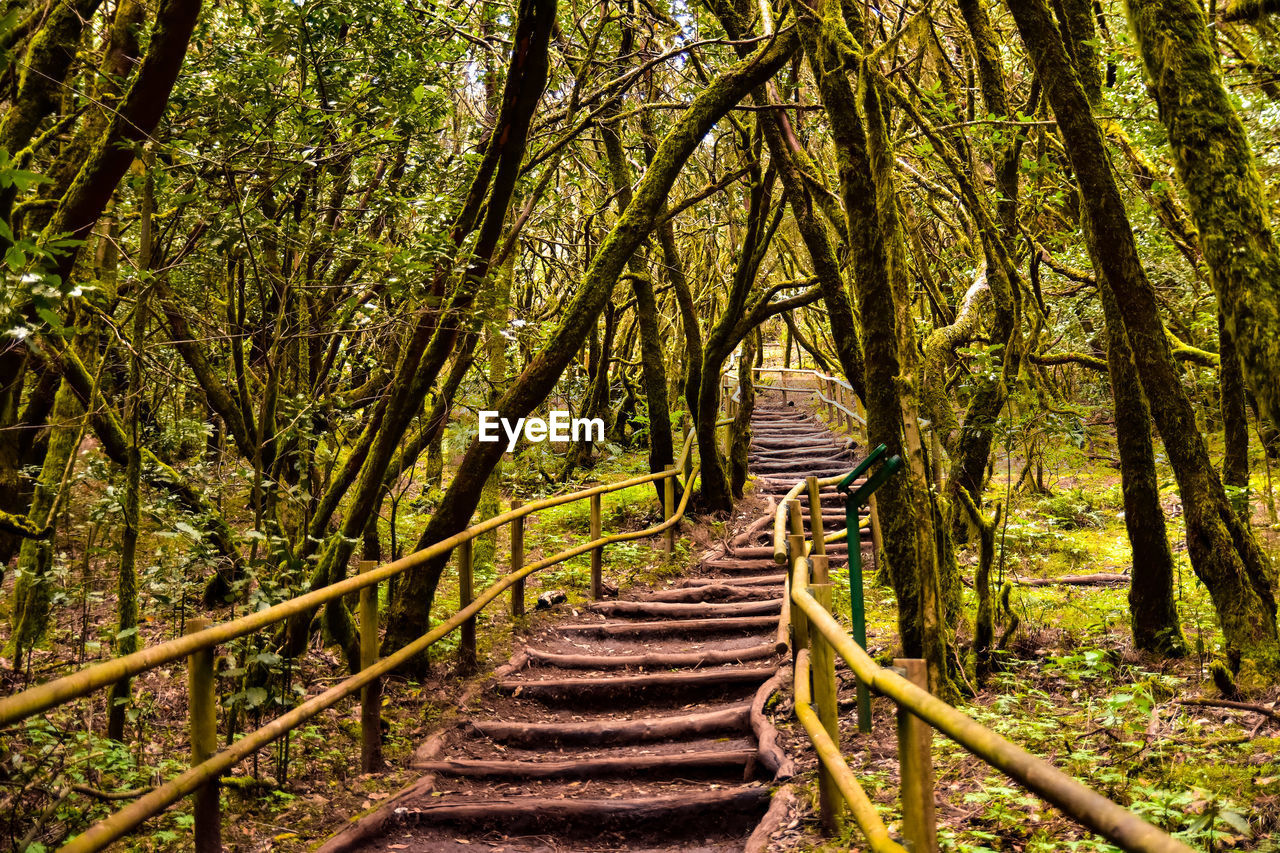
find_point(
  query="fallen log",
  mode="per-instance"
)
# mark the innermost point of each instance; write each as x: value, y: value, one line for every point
x: 1099, y: 579
x: 1272, y: 713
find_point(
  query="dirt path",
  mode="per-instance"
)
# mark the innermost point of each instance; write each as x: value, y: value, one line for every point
x: 641, y: 725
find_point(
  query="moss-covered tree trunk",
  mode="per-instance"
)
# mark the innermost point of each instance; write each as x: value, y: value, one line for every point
x: 1235, y: 421
x: 410, y: 614
x: 724, y: 335
x: 740, y: 429
x: 32, y: 586
x: 1153, y: 612
x: 653, y: 369
x: 1223, y: 552
x: 878, y: 253
x: 127, y: 581
x: 1225, y: 193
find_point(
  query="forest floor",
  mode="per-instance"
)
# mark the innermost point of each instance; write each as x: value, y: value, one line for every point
x: 1071, y: 689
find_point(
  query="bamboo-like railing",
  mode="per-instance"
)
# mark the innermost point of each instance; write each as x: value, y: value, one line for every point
x: 817, y: 638
x: 197, y: 645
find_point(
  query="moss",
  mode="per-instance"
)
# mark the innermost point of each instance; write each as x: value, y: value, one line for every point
x: 1225, y: 194
x: 32, y: 587
x: 1224, y: 553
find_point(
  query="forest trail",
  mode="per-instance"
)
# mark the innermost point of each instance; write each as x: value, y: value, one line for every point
x: 641, y: 726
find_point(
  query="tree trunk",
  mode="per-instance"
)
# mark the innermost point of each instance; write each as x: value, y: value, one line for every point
x: 1226, y: 195
x: 879, y: 260
x: 1235, y: 422
x: 1223, y: 552
x: 1153, y: 613
x: 410, y: 614
x: 740, y: 429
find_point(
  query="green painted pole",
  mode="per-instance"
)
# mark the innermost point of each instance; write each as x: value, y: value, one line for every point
x: 857, y: 607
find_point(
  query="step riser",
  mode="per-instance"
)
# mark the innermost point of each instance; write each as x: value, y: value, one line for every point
x: 729, y: 764
x: 665, y: 818
x: 744, y: 626
x: 735, y: 720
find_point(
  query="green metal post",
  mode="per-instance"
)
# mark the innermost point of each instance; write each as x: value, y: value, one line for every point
x: 857, y: 607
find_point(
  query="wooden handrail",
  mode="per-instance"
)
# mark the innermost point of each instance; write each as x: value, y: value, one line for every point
x: 90, y: 679
x: 118, y: 824
x: 1112, y: 821
x: 83, y: 682
x: 864, y: 813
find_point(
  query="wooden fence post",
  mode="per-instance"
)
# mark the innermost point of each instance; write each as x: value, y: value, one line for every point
x: 795, y: 551
x: 466, y: 594
x: 597, y: 554
x: 816, y: 533
x: 877, y: 543
x: 371, y: 693
x: 669, y: 510
x: 823, y: 675
x: 202, y: 716
x: 517, y: 561
x: 915, y: 758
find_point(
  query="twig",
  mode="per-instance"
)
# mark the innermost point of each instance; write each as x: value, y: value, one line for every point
x: 1237, y: 706
x: 111, y: 795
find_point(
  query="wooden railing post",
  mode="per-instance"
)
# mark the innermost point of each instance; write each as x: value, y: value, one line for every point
x: 795, y: 551
x: 668, y: 510
x: 371, y: 693
x: 597, y: 554
x: 466, y: 594
x: 815, y: 517
x: 877, y: 544
x: 202, y: 716
x: 823, y: 675
x: 517, y: 561
x: 915, y: 759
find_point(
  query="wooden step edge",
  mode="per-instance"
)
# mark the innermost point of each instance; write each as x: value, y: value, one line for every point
x: 675, y: 626
x: 738, y: 761
x: 709, y: 657
x: 516, y: 815
x: 733, y: 719
x: 627, y: 683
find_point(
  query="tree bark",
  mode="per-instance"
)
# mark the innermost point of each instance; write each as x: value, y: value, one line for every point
x: 865, y: 160
x: 410, y: 614
x: 1224, y: 553
x: 1225, y: 193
